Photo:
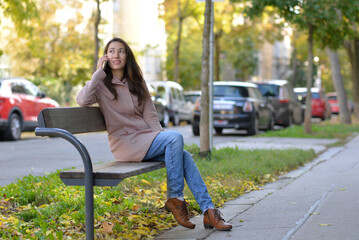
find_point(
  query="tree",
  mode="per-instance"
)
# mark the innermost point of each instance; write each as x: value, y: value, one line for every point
x: 349, y: 10
x: 176, y: 12
x: 20, y: 12
x: 308, y: 15
x: 57, y: 55
x: 204, y: 120
x: 97, y: 20
x: 344, y: 113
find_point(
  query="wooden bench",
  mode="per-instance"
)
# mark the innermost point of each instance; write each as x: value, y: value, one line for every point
x: 64, y: 123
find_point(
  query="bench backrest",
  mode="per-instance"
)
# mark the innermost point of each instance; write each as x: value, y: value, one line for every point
x: 73, y: 119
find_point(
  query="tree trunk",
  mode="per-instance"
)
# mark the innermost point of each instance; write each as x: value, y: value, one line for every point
x: 294, y: 61
x: 352, y: 48
x: 337, y: 78
x: 97, y: 23
x: 178, y: 44
x: 308, y: 101
x: 217, y: 52
x: 204, y: 121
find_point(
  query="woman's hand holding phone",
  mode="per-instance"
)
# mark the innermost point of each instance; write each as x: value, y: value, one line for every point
x: 102, y: 61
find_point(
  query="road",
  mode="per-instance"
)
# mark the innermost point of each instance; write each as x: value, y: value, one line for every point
x: 38, y: 156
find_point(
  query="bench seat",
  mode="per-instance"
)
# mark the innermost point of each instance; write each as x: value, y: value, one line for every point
x: 110, y: 173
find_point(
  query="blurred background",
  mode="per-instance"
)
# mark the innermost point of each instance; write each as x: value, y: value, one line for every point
x: 56, y: 43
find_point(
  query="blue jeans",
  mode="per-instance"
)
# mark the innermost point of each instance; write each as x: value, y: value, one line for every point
x: 168, y: 147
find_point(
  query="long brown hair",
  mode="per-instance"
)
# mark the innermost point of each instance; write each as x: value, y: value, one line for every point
x: 132, y: 73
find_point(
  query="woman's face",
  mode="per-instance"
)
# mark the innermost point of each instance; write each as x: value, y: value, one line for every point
x: 116, y: 54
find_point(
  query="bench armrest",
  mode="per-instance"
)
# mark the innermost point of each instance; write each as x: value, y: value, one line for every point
x: 57, y: 132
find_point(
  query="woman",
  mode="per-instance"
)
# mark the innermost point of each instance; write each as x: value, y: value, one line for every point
x: 135, y: 133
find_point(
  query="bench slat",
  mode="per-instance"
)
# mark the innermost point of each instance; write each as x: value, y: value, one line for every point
x: 73, y: 119
x: 112, y: 172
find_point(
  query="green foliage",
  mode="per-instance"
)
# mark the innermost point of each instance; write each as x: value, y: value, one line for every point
x: 57, y: 56
x: 20, y: 12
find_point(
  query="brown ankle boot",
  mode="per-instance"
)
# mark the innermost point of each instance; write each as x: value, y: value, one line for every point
x: 213, y: 219
x: 179, y: 211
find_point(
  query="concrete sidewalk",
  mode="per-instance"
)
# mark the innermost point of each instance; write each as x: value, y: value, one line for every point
x: 317, y: 201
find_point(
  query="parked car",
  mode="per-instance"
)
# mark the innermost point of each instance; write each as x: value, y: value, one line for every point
x: 163, y: 117
x: 287, y: 108
x: 237, y: 105
x: 20, y: 104
x: 170, y: 94
x: 191, y: 97
x: 320, y: 104
x: 334, y: 104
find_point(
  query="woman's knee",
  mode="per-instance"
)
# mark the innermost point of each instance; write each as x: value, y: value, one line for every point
x: 175, y: 136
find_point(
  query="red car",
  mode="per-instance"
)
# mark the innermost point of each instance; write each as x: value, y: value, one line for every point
x: 320, y: 104
x: 333, y: 101
x: 20, y: 103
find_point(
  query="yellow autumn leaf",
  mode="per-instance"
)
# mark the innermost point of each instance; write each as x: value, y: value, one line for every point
x: 148, y: 192
x: 144, y: 181
x: 140, y: 231
x: 324, y: 224
x: 163, y: 187
x: 134, y: 216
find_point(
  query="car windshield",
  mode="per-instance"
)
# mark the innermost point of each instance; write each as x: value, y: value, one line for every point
x: 230, y: 91
x: 268, y: 90
x: 334, y: 98
x: 315, y: 95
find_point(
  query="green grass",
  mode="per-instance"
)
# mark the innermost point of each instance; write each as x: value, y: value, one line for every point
x: 44, y: 208
x: 319, y: 130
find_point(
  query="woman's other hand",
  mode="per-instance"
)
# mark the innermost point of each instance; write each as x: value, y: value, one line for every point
x: 101, y: 62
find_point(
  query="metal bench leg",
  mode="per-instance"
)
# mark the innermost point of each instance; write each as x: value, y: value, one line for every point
x: 89, y: 208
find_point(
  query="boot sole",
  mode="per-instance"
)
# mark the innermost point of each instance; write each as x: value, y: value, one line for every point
x: 208, y: 226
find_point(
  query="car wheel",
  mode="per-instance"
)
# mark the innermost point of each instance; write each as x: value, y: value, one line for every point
x: 290, y: 120
x: 271, y: 123
x: 13, y: 131
x: 253, y: 130
x: 166, y: 119
x: 195, y: 128
x: 176, y: 119
x: 218, y: 130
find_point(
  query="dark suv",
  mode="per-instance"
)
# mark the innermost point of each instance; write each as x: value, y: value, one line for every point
x: 237, y: 105
x: 287, y: 108
x: 20, y: 103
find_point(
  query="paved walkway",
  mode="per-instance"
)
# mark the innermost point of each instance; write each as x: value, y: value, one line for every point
x: 317, y: 201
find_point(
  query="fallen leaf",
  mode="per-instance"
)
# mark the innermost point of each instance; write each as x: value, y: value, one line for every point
x: 315, y: 213
x: 107, y: 227
x: 136, y: 207
x: 324, y: 224
x: 342, y: 189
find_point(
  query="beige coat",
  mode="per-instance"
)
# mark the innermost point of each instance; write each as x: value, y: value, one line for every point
x: 131, y: 129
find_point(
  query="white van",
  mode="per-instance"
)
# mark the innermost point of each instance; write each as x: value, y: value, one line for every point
x: 172, y: 97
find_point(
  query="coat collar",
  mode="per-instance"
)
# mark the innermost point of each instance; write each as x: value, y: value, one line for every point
x: 118, y: 81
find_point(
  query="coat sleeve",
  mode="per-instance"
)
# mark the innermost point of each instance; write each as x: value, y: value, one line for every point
x: 150, y: 115
x: 88, y: 94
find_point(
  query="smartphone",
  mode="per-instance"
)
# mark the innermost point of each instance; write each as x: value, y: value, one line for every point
x: 105, y: 65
